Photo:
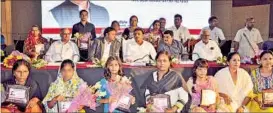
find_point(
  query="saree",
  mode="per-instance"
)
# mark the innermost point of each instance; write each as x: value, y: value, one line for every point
x: 259, y: 83
x: 236, y: 91
x: 34, y: 92
x: 30, y: 45
x: 59, y: 87
x: 171, y: 84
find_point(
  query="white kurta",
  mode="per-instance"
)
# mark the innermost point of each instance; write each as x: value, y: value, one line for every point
x: 180, y: 33
x: 215, y: 34
x: 254, y: 38
x: 59, y: 51
x: 134, y: 51
x: 209, y: 51
x: 237, y: 92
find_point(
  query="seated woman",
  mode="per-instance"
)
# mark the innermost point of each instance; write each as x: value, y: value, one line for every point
x: 262, y: 79
x: 154, y: 34
x: 201, y: 81
x: 166, y: 81
x: 35, y: 45
x: 234, y: 84
x: 113, y: 74
x: 64, y: 87
x: 21, y: 70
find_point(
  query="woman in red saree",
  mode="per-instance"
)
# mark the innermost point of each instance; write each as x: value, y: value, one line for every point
x: 35, y: 44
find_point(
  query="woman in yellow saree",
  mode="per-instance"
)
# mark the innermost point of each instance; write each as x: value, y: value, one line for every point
x: 262, y: 79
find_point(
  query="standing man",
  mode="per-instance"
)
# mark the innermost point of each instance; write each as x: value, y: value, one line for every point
x: 162, y: 24
x: 180, y: 32
x: 88, y: 32
x: 248, y: 40
x: 216, y: 33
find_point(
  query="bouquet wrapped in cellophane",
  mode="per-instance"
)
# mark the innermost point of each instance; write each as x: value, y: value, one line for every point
x: 86, y: 97
x: 13, y: 57
x: 119, y: 89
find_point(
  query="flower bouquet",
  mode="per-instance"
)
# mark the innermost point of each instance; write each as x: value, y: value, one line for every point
x: 222, y: 60
x: 175, y: 61
x: 78, y: 35
x: 13, y: 57
x: 38, y: 63
x: 150, y: 107
x: 86, y: 97
x: 120, y: 90
x: 98, y: 63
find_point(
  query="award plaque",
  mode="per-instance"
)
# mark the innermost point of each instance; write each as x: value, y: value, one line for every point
x: 64, y: 105
x: 17, y: 94
x: 267, y: 98
x: 208, y: 97
x: 162, y: 101
x: 124, y: 103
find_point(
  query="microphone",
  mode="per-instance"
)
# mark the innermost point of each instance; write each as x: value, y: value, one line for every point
x: 150, y: 63
x: 196, y: 54
x: 141, y: 58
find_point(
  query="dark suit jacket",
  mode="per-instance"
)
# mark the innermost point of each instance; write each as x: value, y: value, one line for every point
x: 97, y: 48
x: 67, y: 14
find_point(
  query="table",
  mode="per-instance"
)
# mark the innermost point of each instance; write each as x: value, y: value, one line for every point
x: 48, y: 74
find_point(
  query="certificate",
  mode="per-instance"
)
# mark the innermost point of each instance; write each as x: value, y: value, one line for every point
x: 63, y: 106
x: 17, y: 94
x: 267, y: 98
x: 161, y: 100
x: 124, y: 103
x: 208, y: 97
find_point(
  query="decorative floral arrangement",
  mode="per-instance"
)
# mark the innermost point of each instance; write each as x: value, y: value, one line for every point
x: 86, y: 97
x: 150, y: 107
x: 2, y: 53
x: 98, y: 63
x: 119, y: 89
x: 247, y: 60
x: 222, y: 60
x: 13, y: 57
x: 38, y: 63
x: 78, y: 35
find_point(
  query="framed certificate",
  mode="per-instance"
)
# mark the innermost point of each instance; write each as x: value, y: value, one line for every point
x: 162, y: 101
x: 124, y: 103
x: 208, y: 97
x: 64, y: 105
x: 267, y: 98
x: 17, y: 94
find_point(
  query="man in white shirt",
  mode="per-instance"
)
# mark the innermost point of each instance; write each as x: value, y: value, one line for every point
x: 206, y: 48
x: 216, y: 33
x: 137, y: 49
x: 63, y: 49
x: 180, y: 32
x: 248, y: 40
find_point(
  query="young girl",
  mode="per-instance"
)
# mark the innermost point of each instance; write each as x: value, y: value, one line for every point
x: 201, y: 81
x: 112, y: 74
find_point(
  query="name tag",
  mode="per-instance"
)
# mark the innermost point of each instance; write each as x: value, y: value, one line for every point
x: 18, y: 94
